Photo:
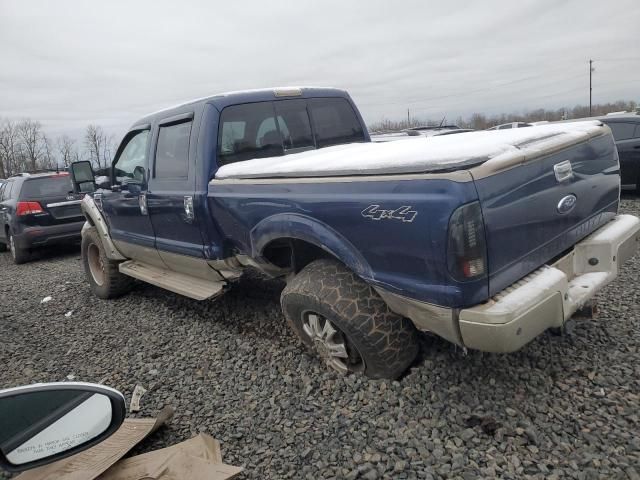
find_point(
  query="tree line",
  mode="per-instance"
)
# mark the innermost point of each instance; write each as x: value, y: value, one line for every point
x: 24, y: 147
x: 480, y: 121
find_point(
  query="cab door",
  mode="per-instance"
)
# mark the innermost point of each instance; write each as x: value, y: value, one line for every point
x: 172, y: 198
x: 124, y: 205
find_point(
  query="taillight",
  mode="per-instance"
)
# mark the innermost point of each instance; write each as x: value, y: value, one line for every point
x: 28, y: 208
x: 467, y: 248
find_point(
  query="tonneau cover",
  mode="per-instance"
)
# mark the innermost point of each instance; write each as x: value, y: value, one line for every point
x: 418, y: 154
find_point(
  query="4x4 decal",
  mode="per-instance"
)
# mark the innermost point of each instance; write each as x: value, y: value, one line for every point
x: 403, y: 213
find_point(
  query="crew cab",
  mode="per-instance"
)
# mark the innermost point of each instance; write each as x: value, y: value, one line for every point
x: 485, y: 239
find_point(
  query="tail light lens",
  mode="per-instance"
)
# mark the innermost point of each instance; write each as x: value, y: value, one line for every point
x: 467, y: 248
x: 28, y: 208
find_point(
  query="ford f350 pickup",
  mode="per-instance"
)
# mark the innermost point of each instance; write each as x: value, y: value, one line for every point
x: 486, y: 239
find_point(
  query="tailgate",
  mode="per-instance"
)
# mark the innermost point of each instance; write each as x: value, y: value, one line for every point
x: 537, y: 210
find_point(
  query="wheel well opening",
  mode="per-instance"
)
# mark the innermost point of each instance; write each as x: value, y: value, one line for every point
x: 293, y: 254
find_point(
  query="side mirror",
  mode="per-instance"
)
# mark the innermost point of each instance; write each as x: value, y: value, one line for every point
x: 82, y: 177
x: 42, y: 423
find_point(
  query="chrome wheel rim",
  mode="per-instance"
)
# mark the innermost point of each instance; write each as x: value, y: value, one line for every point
x: 96, y: 265
x: 329, y: 342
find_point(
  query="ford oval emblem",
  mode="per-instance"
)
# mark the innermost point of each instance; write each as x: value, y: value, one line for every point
x: 567, y: 203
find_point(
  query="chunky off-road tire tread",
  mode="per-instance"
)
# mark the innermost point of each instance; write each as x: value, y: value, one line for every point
x: 116, y: 284
x: 387, y: 342
x: 20, y: 255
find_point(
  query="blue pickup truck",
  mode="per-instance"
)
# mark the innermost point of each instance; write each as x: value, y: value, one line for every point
x: 485, y: 238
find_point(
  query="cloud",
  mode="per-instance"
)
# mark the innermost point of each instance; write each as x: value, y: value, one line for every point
x: 69, y: 63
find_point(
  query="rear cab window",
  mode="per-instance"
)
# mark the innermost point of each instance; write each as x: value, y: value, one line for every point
x: 276, y: 128
x: 50, y: 186
x: 622, y: 130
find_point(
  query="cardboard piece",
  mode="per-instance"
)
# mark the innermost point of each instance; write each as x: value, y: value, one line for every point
x: 91, y: 463
x: 196, y: 459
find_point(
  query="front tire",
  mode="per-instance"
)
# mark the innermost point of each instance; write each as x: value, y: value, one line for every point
x: 103, y: 275
x: 344, y: 320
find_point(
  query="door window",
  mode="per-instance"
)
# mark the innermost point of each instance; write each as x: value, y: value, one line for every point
x: 172, y: 152
x: 6, y: 192
x: 131, y: 165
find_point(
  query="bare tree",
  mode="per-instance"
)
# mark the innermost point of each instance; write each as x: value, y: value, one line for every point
x: 49, y: 159
x: 30, y: 133
x: 96, y: 143
x: 66, y: 150
x: 10, y: 149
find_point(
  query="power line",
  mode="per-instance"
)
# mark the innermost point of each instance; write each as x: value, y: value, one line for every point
x: 469, y: 92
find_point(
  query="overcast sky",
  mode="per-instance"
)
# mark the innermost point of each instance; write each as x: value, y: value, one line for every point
x: 70, y: 63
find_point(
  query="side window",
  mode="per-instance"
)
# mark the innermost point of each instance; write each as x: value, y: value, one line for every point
x: 172, y: 151
x: 131, y: 165
x: 622, y: 131
x: 295, y: 127
x: 248, y: 131
x: 6, y: 191
x: 334, y: 122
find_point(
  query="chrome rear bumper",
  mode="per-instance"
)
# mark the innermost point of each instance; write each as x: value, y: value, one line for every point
x: 543, y: 299
x: 552, y: 294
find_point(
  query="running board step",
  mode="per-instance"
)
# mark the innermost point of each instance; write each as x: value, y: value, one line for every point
x: 192, y: 287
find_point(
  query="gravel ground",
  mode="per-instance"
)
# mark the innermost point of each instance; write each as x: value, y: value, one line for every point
x: 564, y: 406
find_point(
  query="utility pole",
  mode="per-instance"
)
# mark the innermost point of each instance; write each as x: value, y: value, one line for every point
x: 590, y: 87
x: 408, y: 119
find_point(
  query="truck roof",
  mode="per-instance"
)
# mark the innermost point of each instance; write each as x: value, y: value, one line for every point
x: 221, y: 100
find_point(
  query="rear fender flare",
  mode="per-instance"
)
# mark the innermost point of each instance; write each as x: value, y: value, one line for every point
x: 300, y: 227
x: 95, y: 219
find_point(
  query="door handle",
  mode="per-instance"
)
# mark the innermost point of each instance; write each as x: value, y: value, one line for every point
x: 142, y: 201
x: 189, y: 214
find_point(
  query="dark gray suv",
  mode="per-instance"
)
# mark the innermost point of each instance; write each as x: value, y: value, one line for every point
x: 37, y: 210
x: 626, y: 132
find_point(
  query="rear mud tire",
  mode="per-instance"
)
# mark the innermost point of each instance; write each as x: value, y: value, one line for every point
x: 380, y: 343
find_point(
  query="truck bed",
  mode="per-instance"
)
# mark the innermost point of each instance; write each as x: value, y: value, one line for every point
x: 419, y: 154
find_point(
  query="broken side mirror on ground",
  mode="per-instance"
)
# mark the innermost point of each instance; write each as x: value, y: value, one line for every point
x: 43, y: 423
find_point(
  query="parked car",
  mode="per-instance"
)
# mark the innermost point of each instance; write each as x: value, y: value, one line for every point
x: 37, y: 210
x: 486, y: 242
x: 432, y: 130
x: 506, y: 126
x: 626, y: 132
x: 418, y: 132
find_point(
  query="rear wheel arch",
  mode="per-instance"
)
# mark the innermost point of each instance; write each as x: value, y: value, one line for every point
x: 306, y: 240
